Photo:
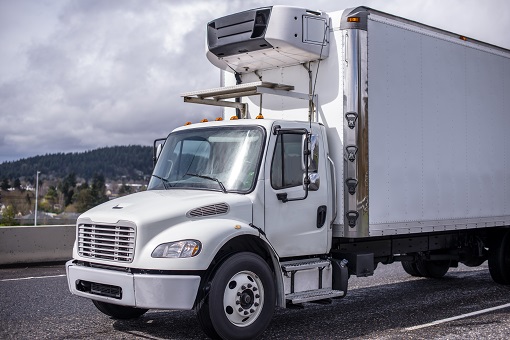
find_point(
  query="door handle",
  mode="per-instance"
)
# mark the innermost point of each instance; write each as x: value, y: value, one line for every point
x: 321, y: 215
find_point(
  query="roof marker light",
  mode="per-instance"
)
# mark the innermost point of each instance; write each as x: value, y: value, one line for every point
x: 259, y: 117
x: 187, y: 123
x: 234, y: 118
x: 218, y: 119
x: 204, y: 120
x: 463, y: 38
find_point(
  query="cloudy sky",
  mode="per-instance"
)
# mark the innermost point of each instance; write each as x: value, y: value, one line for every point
x: 76, y: 75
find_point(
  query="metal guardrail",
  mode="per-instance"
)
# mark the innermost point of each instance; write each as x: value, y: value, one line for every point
x: 29, y: 244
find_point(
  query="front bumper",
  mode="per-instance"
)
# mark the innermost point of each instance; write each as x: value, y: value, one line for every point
x: 134, y: 290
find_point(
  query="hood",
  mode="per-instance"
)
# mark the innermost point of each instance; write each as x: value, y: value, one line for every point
x: 159, y: 205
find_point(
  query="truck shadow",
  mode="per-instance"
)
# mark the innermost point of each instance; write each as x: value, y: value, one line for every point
x: 364, y: 312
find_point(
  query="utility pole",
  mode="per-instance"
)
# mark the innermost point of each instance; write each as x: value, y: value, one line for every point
x: 36, y: 196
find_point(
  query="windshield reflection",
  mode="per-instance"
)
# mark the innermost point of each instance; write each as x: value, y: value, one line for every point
x: 224, y: 159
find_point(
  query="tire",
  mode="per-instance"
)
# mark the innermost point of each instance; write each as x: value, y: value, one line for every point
x: 433, y: 269
x: 241, y: 299
x: 499, y: 260
x: 119, y: 312
x: 410, y: 268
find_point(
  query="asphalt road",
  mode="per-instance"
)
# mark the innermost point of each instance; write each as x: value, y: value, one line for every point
x: 35, y: 303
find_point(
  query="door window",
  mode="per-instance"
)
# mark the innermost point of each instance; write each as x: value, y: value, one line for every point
x: 286, y: 169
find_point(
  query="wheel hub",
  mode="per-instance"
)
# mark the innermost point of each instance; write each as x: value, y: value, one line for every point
x: 243, y: 298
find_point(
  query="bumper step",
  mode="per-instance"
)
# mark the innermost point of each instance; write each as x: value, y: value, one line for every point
x: 313, y: 295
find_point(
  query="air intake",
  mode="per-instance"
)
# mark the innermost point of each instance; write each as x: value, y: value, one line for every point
x: 209, y: 210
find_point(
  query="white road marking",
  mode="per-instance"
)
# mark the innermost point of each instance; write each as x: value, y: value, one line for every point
x: 462, y: 316
x: 32, y: 277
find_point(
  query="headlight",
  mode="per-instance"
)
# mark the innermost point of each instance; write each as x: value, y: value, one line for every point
x: 186, y: 248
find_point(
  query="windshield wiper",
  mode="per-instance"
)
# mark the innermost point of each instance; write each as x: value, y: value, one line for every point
x: 209, y: 178
x: 164, y: 180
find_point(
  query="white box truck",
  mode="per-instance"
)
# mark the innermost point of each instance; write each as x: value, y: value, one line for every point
x: 349, y: 139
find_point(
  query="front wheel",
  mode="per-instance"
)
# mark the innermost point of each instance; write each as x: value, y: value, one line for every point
x: 241, y: 299
x: 119, y: 312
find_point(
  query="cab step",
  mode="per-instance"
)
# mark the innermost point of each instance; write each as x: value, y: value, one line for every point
x: 313, y: 295
x: 293, y: 266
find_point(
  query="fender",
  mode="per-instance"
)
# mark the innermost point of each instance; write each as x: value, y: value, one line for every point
x: 212, y: 234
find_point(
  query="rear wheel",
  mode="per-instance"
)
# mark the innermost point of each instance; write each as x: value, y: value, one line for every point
x: 499, y: 260
x: 434, y: 269
x: 241, y: 299
x: 119, y: 312
x: 410, y: 268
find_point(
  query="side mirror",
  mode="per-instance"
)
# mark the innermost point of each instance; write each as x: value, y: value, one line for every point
x: 156, y: 150
x: 313, y: 158
x: 314, y: 181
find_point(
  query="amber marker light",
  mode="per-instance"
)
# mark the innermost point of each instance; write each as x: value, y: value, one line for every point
x: 187, y: 123
x: 463, y: 38
x: 259, y: 117
x: 204, y: 120
x: 353, y: 19
x: 234, y: 118
x: 219, y: 119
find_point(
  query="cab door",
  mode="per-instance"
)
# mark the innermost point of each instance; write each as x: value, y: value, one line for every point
x: 295, y: 225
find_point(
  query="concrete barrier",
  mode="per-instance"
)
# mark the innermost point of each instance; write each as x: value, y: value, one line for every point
x: 29, y: 244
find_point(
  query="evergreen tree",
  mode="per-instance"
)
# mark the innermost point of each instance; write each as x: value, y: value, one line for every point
x: 17, y: 184
x: 5, y: 184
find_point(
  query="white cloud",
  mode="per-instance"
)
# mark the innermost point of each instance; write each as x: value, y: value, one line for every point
x: 77, y: 75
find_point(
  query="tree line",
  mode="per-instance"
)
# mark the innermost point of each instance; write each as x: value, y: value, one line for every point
x: 131, y: 162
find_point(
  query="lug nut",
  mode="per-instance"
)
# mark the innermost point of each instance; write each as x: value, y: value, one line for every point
x: 257, y: 296
x: 240, y: 309
x: 252, y: 310
x: 243, y: 287
x: 249, y: 285
x: 256, y: 304
x: 238, y: 293
x: 245, y: 312
x: 255, y: 289
x: 237, y: 302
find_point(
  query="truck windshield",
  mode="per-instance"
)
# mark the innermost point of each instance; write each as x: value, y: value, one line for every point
x: 224, y: 159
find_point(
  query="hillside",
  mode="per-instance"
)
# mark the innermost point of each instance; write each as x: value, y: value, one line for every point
x: 133, y: 161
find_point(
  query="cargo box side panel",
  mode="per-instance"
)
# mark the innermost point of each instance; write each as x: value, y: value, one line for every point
x: 439, y: 150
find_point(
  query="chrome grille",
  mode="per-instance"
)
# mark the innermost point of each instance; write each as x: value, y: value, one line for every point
x: 209, y: 210
x: 107, y: 242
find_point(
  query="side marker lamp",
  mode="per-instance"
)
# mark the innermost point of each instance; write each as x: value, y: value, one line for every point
x: 234, y: 118
x: 353, y: 19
